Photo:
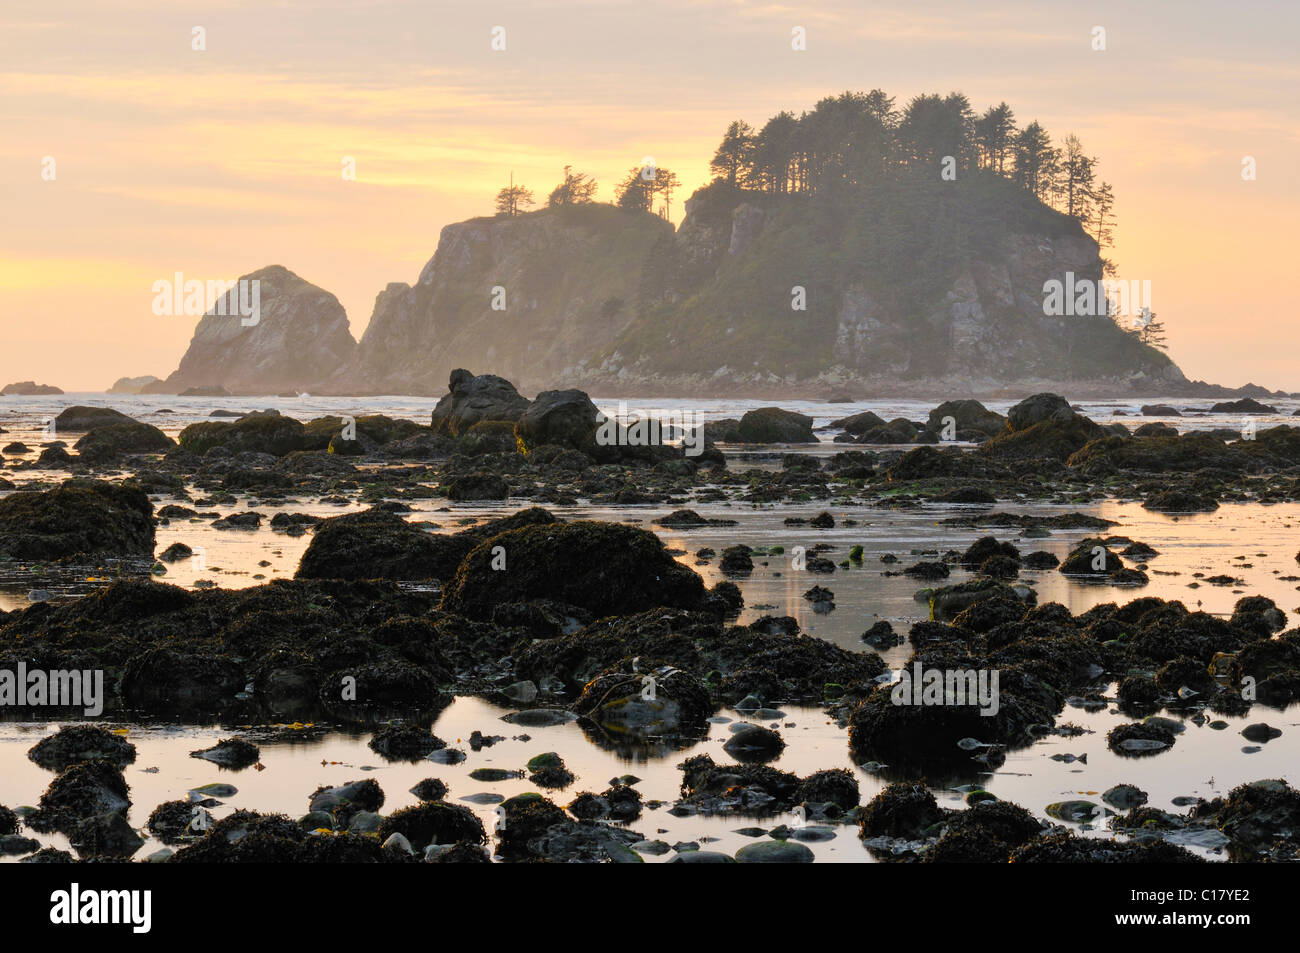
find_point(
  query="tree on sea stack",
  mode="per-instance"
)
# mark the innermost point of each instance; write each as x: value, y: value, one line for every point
x: 578, y: 188
x: 514, y: 199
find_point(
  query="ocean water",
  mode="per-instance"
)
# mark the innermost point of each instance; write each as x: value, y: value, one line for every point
x: 171, y: 413
x: 1254, y: 544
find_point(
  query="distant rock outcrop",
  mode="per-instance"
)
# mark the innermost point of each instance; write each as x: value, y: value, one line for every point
x: 29, y: 389
x: 300, y: 340
x: 755, y: 294
x: 133, y: 385
x: 530, y: 296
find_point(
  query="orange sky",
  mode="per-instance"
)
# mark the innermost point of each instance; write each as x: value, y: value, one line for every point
x: 215, y: 163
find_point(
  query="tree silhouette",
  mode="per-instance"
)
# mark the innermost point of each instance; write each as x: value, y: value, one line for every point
x: 994, y: 132
x: 514, y: 199
x: 1037, y: 161
x: 1075, y: 184
x: 578, y: 188
x: 734, y: 158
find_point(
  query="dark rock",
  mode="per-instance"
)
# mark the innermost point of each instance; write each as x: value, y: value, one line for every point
x: 275, y: 435
x: 565, y: 418
x: 474, y: 399
x: 80, y: 419
x: 774, y: 425
x: 230, y: 753
x: 75, y: 743
x: 605, y: 568
x: 1247, y: 405
x: 77, y: 518
x: 107, y: 442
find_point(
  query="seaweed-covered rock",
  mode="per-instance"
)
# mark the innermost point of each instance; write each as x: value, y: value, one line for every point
x: 831, y: 786
x: 1091, y: 558
x: 1180, y: 501
x: 405, y: 742
x: 858, y: 424
x: 1042, y: 426
x: 883, y: 730
x: 1064, y: 847
x: 87, y: 789
x: 378, y: 544
x: 1257, y: 814
x: 178, y: 822
x: 947, y: 602
x: 434, y: 822
x: 477, y: 486
x: 106, y: 443
x: 343, y: 801
x: 605, y: 568
x: 230, y: 753
x: 986, y: 547
x: 639, y: 698
x: 105, y: 835
x: 74, y: 743
x: 903, y: 809
x: 77, y: 518
x: 257, y: 433
x: 1139, y: 739
x: 736, y: 788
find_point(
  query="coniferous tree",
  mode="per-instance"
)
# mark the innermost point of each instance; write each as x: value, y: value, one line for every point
x: 734, y: 159
x: 1074, y: 187
x: 577, y: 188
x: 1037, y: 161
x: 514, y: 199
x: 994, y: 132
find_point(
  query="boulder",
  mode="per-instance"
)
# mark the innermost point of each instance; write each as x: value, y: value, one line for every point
x: 82, y: 419
x: 774, y: 425
x: 255, y: 433
x: 1042, y: 426
x: 105, y: 443
x: 379, y: 544
x: 606, y: 568
x: 969, y: 415
x: 634, y: 699
x: 1039, y: 407
x: 566, y: 418
x: 474, y: 399
x: 77, y: 518
x: 858, y: 424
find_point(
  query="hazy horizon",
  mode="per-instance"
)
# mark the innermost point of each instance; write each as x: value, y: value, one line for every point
x: 220, y: 162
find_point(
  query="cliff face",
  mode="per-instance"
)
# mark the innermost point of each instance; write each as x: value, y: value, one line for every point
x: 909, y: 290
x: 919, y: 288
x: 527, y: 297
x: 299, y: 341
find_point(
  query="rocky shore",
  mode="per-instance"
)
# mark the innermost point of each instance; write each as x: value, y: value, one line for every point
x: 602, y: 624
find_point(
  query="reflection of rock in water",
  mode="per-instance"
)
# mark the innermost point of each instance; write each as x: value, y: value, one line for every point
x: 635, y: 702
